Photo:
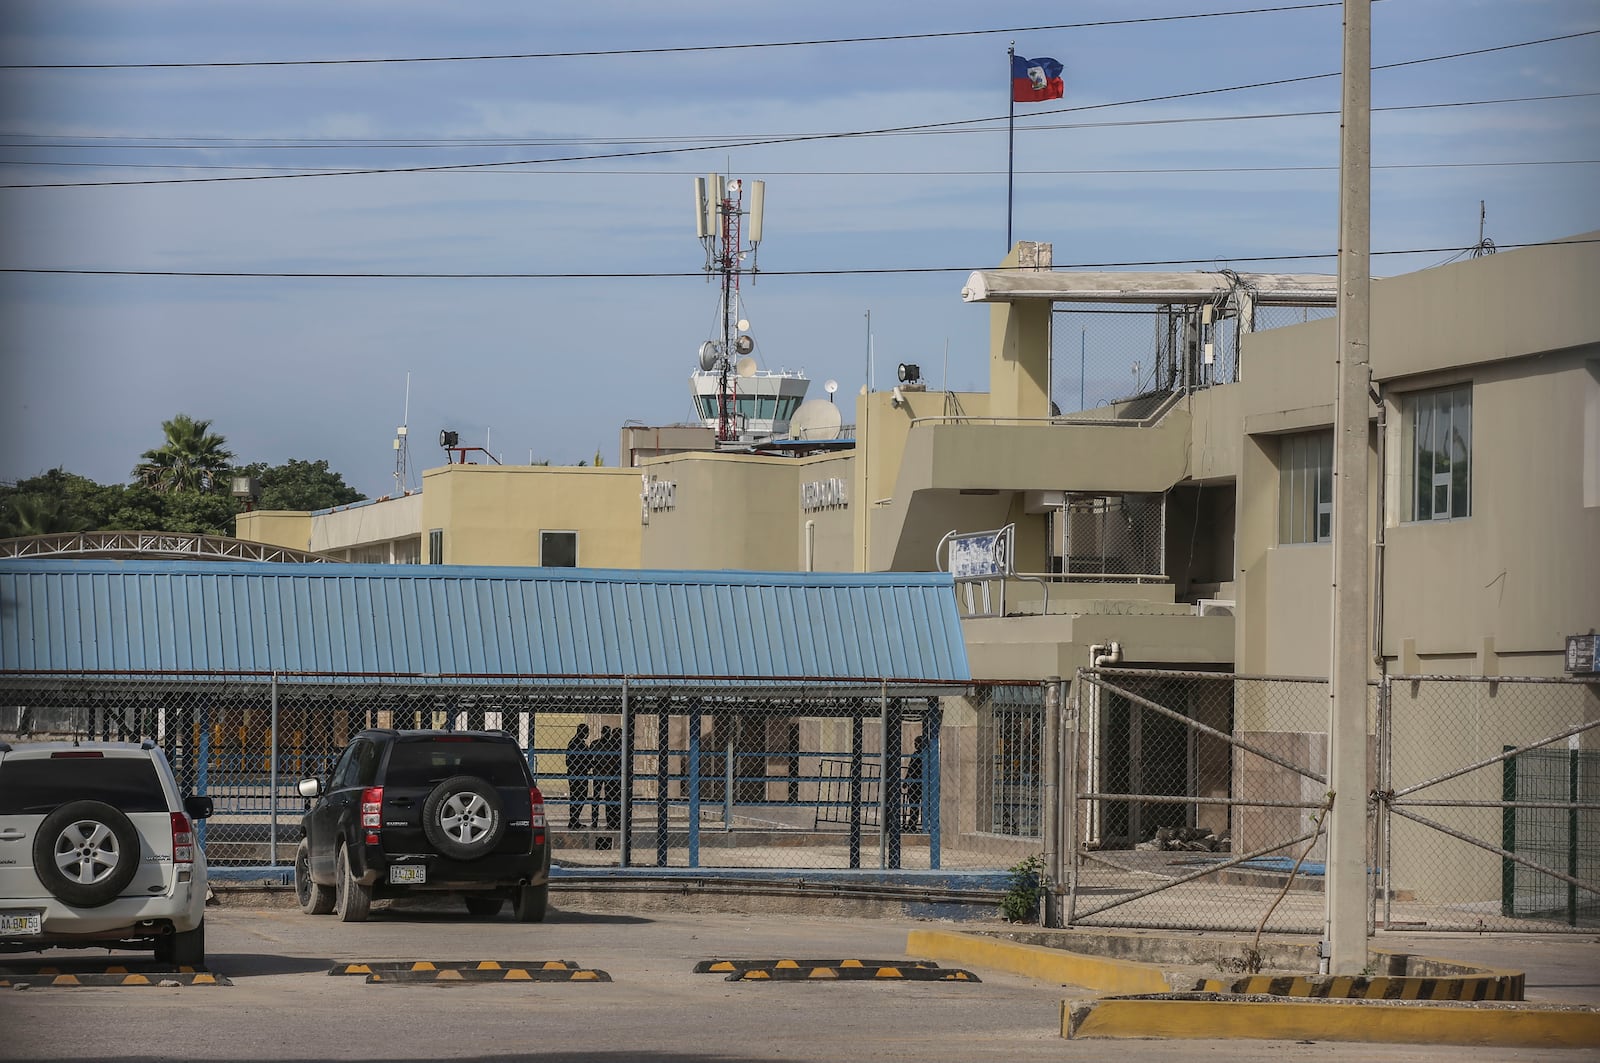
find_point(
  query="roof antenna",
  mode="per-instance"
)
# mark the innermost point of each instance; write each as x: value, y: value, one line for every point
x: 1484, y: 246
x: 401, y: 462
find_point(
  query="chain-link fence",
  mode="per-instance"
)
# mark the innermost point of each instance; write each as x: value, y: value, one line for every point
x: 1103, y: 353
x: 1112, y: 535
x: 1196, y: 799
x: 1491, y: 801
x: 636, y: 772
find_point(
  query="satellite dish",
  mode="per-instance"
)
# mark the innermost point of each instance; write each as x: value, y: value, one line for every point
x: 746, y: 366
x: 744, y: 344
x: 816, y: 419
x: 709, y: 355
x: 831, y: 386
x: 744, y: 326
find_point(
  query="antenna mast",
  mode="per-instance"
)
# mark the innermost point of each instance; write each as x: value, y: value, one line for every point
x: 719, y: 214
x: 402, y: 471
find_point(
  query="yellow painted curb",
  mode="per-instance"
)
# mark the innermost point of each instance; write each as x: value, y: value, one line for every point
x: 1291, y: 1020
x: 1099, y: 973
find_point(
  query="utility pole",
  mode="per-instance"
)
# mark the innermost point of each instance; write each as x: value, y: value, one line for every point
x: 1345, y: 942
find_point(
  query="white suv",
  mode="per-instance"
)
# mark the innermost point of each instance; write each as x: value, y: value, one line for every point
x: 98, y: 849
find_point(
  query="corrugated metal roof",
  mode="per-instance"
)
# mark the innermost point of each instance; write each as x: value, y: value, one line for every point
x: 160, y: 616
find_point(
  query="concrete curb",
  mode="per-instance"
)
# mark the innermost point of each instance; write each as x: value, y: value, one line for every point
x: 1211, y: 1017
x: 1036, y: 961
x: 1143, y: 1005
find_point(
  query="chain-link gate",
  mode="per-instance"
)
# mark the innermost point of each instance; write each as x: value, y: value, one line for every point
x: 637, y: 772
x: 1491, y: 803
x: 1196, y: 801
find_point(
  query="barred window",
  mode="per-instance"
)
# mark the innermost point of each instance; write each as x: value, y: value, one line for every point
x: 1305, y: 487
x: 1011, y: 730
x: 1436, y: 479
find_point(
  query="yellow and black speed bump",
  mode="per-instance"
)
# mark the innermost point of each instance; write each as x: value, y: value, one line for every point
x: 1507, y: 986
x: 732, y: 966
x: 448, y: 976
x: 388, y: 967
x: 847, y: 971
x: 113, y: 975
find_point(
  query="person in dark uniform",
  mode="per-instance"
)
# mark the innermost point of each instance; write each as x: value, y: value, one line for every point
x: 578, y: 772
x: 611, y: 742
x: 911, y: 790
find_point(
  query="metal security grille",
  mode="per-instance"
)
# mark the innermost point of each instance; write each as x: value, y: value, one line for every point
x: 1555, y: 822
x: 1117, y: 535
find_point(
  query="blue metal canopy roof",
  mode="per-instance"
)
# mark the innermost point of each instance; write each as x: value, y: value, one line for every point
x: 166, y: 616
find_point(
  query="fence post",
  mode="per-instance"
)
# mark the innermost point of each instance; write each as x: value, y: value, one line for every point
x: 883, y: 775
x: 856, y: 743
x: 663, y: 778
x: 1386, y: 806
x: 694, y: 781
x: 625, y: 782
x: 272, y: 778
x: 1050, y: 796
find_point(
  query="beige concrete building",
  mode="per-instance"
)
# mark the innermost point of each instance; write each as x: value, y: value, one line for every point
x: 1189, y: 526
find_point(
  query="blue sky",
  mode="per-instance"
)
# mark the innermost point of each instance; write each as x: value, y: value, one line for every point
x: 551, y: 367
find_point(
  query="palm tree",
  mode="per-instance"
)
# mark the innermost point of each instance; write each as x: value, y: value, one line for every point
x: 193, y: 458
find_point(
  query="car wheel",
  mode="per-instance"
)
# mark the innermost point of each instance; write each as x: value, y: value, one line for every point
x: 86, y: 853
x: 352, y: 900
x: 187, y: 948
x: 314, y: 898
x: 463, y: 818
x: 530, y: 903
x: 485, y: 907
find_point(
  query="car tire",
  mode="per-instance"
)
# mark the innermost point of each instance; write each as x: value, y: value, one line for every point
x: 464, y: 818
x: 484, y: 907
x: 529, y: 903
x: 352, y: 900
x: 314, y: 898
x: 85, y: 853
x: 186, y: 948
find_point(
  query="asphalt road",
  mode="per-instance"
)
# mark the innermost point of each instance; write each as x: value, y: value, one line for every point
x: 284, y: 1006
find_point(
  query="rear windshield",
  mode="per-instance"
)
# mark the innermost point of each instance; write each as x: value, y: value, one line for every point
x: 426, y: 763
x: 128, y: 783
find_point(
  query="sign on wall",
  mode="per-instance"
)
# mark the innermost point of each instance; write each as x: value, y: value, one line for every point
x: 980, y: 555
x: 656, y: 495
x: 824, y: 494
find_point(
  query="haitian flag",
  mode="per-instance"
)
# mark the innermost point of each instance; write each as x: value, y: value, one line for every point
x: 1033, y: 80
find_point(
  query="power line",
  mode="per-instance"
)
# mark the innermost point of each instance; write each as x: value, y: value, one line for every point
x: 764, y: 141
x: 1213, y: 260
x: 94, y: 143
x: 1111, y: 171
x: 661, y: 51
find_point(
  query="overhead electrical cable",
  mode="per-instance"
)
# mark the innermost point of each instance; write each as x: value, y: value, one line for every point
x: 1213, y: 260
x: 677, y: 50
x: 133, y: 143
x: 763, y: 141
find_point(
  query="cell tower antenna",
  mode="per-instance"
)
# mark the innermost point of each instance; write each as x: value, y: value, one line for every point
x: 731, y: 251
x: 402, y: 471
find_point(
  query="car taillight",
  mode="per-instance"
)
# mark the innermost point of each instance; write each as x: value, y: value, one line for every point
x: 536, y: 817
x: 372, y: 807
x: 182, y: 839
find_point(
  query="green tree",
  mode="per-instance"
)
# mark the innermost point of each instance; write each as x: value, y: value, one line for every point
x: 52, y: 502
x: 300, y: 485
x: 193, y: 458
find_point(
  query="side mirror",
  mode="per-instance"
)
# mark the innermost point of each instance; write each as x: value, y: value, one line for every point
x: 309, y: 788
x: 199, y: 807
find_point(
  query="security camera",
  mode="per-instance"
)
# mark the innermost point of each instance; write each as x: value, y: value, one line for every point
x: 897, y: 400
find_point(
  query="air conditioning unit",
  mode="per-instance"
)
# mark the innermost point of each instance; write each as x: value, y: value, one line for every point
x: 1214, y: 607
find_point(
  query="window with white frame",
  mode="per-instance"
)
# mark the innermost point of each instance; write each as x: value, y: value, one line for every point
x: 1305, y: 487
x: 558, y: 549
x: 1436, y: 452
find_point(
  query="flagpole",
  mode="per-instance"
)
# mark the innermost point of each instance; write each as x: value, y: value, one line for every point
x: 1011, y: 136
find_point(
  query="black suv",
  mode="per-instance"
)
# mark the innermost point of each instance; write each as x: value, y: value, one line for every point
x: 410, y: 811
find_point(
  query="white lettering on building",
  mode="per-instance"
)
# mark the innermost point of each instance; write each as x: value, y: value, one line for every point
x: 824, y: 494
